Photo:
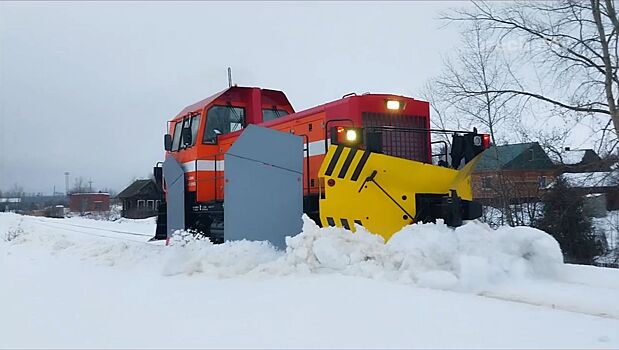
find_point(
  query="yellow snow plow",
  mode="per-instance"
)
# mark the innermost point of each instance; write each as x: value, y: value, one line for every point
x: 384, y: 193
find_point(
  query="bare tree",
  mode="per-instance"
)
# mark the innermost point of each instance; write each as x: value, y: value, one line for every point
x: 479, y: 66
x: 109, y: 191
x: 16, y: 191
x: 80, y: 185
x: 570, y: 46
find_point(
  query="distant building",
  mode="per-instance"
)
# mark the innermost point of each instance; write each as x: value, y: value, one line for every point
x: 89, y: 202
x: 525, y: 168
x: 39, y: 201
x: 140, y: 199
x: 9, y: 204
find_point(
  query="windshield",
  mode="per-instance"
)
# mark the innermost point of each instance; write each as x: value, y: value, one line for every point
x: 222, y: 120
x: 270, y: 114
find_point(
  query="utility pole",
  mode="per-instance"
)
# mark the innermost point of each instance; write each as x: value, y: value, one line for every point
x: 90, y: 185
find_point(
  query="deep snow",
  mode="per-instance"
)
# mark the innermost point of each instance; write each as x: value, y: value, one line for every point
x: 86, y: 283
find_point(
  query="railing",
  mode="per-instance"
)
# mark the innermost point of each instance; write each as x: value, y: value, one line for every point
x: 398, y: 142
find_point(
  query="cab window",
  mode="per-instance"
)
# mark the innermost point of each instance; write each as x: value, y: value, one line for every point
x: 221, y: 120
x: 195, y: 124
x: 177, y: 136
x: 192, y: 123
x: 270, y: 114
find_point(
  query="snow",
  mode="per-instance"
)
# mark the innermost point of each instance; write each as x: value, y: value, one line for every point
x: 10, y: 200
x: 610, y: 226
x: 467, y: 258
x: 591, y: 179
x: 573, y: 157
x: 86, y: 283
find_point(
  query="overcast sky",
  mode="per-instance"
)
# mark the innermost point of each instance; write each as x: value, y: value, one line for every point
x: 88, y: 87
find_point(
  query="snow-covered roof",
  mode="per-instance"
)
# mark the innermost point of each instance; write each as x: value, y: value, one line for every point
x: 592, y: 179
x: 10, y: 200
x: 573, y: 157
x: 88, y: 193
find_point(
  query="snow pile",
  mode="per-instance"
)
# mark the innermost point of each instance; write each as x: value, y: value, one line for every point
x: 188, y: 256
x: 473, y: 256
x: 429, y: 255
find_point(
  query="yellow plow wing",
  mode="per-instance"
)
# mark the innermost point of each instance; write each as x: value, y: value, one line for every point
x: 380, y: 192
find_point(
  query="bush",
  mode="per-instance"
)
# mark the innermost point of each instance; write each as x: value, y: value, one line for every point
x: 563, y: 217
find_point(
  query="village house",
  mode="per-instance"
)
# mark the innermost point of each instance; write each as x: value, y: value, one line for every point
x: 517, y: 173
x: 140, y: 199
x: 89, y: 202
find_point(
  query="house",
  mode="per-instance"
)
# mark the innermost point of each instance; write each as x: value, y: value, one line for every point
x: 516, y: 173
x: 140, y: 199
x: 9, y: 203
x: 40, y: 201
x: 581, y: 160
x: 596, y: 186
x: 89, y: 202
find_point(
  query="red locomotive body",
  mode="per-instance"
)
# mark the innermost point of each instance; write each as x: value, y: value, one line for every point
x: 217, y: 121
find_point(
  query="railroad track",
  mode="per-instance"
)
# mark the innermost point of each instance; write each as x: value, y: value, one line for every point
x: 98, y: 232
x: 105, y: 229
x: 548, y: 305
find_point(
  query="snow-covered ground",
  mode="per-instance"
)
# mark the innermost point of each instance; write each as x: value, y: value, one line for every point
x: 85, y: 283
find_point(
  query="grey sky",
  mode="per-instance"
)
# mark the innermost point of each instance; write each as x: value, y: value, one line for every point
x: 87, y: 87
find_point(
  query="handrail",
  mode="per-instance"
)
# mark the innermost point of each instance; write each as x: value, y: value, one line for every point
x: 307, y: 166
x: 397, y: 128
x: 441, y: 154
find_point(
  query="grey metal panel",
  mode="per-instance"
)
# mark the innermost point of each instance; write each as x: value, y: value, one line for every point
x: 264, y: 186
x: 174, y: 176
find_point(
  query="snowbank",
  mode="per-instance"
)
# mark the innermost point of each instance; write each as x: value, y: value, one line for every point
x: 468, y: 258
x: 429, y: 255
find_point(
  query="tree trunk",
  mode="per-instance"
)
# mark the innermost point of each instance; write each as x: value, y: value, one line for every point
x: 608, y: 74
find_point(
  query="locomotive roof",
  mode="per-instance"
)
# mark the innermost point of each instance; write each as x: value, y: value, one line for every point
x: 201, y: 104
x: 205, y: 102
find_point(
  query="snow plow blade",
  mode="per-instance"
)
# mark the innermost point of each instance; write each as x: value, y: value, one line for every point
x: 385, y: 193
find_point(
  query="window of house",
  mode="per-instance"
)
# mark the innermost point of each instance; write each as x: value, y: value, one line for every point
x: 270, y: 114
x: 221, y: 120
x: 542, y: 181
x: 98, y: 205
x: 150, y: 204
x: 141, y: 203
x: 531, y: 155
x: 486, y: 183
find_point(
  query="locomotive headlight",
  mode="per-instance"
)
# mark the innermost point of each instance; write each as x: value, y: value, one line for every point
x: 351, y: 135
x: 393, y: 104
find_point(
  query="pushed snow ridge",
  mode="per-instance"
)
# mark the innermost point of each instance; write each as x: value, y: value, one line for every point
x: 428, y: 255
